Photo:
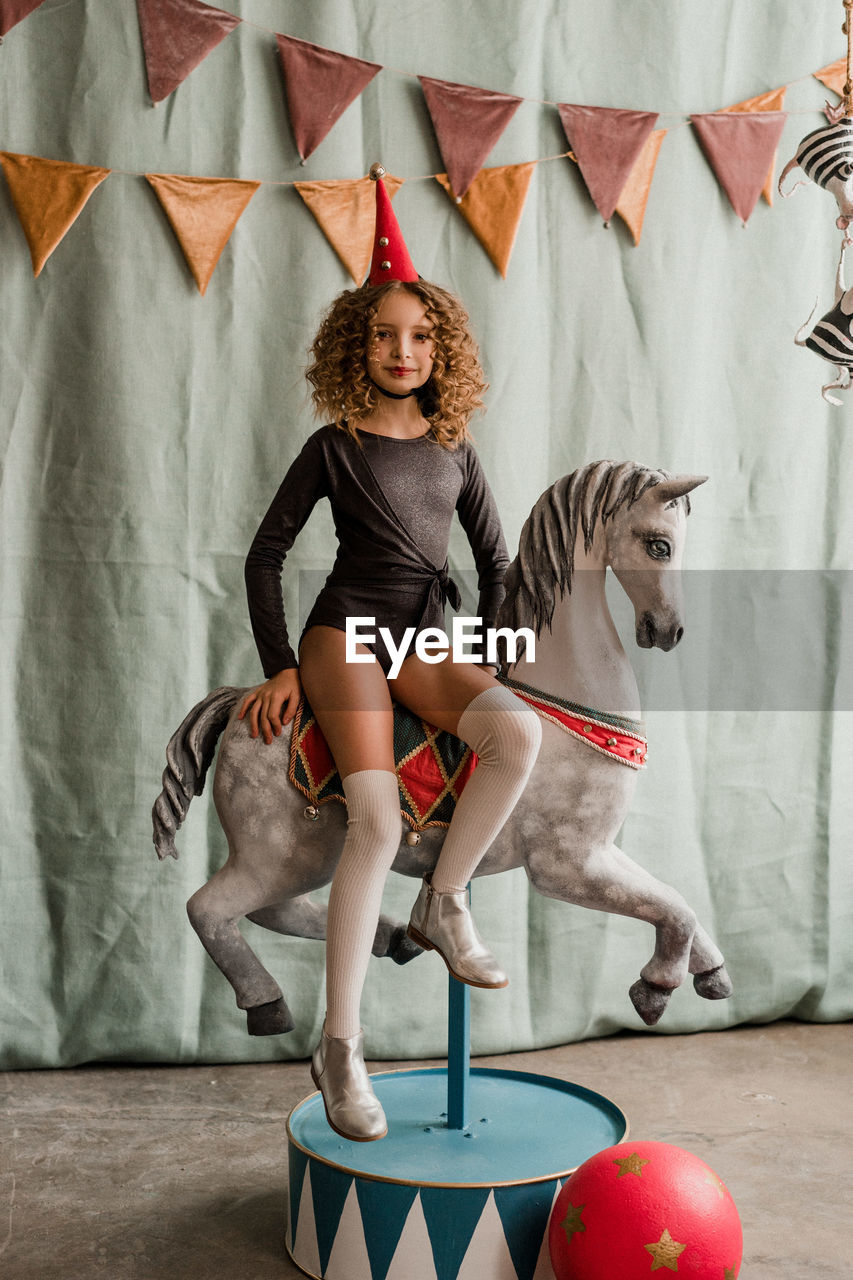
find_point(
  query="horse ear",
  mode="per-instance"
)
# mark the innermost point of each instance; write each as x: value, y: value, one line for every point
x: 677, y: 487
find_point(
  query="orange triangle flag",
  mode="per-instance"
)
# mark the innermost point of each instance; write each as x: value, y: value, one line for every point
x: 14, y: 11
x: 176, y: 36
x: 773, y: 100
x: 607, y: 142
x: 48, y: 196
x: 203, y: 213
x: 635, y: 193
x: 346, y: 211
x: 319, y: 85
x: 492, y: 206
x: 834, y: 76
x: 739, y: 147
x: 467, y: 122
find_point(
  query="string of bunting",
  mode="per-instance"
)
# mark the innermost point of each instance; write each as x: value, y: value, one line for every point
x: 616, y: 150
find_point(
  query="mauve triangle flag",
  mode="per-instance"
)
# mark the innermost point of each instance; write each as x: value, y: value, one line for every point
x: 203, y: 213
x: 176, y: 36
x: 48, y: 196
x: 635, y: 193
x: 345, y: 209
x: 772, y: 100
x: 14, y: 11
x: 834, y: 75
x: 467, y: 122
x: 319, y: 85
x: 492, y: 206
x: 607, y: 142
x: 740, y: 147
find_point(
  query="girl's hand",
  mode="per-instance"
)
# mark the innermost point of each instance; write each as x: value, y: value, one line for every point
x: 273, y: 704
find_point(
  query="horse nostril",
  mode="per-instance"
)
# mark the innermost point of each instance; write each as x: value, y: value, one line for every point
x: 678, y: 634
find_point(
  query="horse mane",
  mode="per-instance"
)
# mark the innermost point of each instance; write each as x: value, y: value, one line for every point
x: 544, y: 565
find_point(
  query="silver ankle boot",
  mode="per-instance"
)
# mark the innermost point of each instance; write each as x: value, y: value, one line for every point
x: 442, y: 922
x: 352, y: 1108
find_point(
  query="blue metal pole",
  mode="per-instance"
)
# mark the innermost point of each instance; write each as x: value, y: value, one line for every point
x: 458, y: 1052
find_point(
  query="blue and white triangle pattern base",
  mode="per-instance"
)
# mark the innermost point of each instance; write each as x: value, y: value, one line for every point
x: 428, y: 1203
x: 486, y: 1254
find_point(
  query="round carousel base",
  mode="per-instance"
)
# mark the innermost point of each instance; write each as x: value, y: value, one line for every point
x: 430, y: 1202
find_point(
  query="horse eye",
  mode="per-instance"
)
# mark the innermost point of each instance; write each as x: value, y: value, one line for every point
x: 658, y: 549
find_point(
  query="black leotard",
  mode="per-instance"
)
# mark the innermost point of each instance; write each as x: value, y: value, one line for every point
x: 392, y: 502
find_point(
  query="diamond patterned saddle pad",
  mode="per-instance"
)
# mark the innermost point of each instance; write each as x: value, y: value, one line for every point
x: 432, y: 766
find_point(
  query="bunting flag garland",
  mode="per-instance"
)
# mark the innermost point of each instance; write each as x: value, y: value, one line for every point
x: 319, y: 85
x: 48, y: 196
x: 607, y: 142
x: 467, y: 122
x: 773, y: 100
x: 203, y: 213
x: 346, y: 212
x: 833, y: 75
x: 14, y: 11
x: 635, y: 193
x: 492, y: 206
x: 739, y: 147
x: 176, y: 36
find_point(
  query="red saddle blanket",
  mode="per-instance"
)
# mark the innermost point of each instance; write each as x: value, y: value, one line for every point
x: 433, y: 765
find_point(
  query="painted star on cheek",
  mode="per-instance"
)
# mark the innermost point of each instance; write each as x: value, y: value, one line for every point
x: 666, y: 1252
x: 572, y: 1221
x: 631, y: 1164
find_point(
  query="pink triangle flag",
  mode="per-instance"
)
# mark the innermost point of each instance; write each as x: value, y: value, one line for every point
x: 176, y: 36
x: 14, y: 11
x: 740, y: 146
x: 607, y: 142
x: 467, y: 122
x: 319, y: 85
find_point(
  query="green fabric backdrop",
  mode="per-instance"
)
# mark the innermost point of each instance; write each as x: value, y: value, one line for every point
x: 145, y: 429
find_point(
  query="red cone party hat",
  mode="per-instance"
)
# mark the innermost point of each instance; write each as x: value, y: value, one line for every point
x: 391, y: 259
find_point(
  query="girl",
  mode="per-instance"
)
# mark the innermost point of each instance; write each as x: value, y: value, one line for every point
x: 396, y: 370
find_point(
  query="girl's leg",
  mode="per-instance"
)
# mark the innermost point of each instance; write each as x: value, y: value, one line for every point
x: 353, y: 707
x: 505, y: 733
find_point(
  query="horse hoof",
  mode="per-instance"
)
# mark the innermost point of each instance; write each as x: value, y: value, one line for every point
x: 272, y: 1019
x: 401, y: 948
x: 649, y: 1000
x: 713, y: 984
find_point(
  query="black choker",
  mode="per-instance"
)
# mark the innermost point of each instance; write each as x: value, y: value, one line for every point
x: 394, y: 395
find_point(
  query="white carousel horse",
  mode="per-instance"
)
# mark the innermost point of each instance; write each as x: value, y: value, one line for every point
x: 630, y: 518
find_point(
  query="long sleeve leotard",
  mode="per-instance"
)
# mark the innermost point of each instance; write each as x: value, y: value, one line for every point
x: 392, y: 503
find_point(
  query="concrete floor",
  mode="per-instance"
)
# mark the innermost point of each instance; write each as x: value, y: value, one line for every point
x: 171, y: 1173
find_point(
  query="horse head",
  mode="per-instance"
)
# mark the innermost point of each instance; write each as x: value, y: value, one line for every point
x: 644, y: 546
x: 606, y: 513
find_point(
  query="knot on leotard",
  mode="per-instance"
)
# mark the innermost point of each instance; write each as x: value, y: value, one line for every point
x: 450, y: 593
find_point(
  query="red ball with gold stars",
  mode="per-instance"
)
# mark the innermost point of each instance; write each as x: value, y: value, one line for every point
x: 645, y: 1208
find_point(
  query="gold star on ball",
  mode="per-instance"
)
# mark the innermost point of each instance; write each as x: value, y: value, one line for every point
x: 666, y: 1252
x: 572, y: 1221
x: 729, y: 1273
x: 631, y: 1164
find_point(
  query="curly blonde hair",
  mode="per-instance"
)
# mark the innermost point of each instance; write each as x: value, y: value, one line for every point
x: 342, y: 390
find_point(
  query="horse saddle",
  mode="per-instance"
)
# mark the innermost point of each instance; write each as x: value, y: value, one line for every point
x: 433, y: 765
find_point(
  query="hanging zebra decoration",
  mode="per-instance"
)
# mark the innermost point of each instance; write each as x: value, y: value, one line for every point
x: 826, y: 158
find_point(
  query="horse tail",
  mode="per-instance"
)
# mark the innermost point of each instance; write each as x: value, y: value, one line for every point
x: 188, y: 758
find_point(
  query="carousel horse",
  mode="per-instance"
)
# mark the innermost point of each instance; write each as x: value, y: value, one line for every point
x: 619, y: 515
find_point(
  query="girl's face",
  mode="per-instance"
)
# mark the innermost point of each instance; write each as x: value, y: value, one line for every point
x: 399, y: 344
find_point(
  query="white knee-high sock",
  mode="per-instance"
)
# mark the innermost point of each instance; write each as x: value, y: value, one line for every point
x: 373, y: 837
x: 505, y: 733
